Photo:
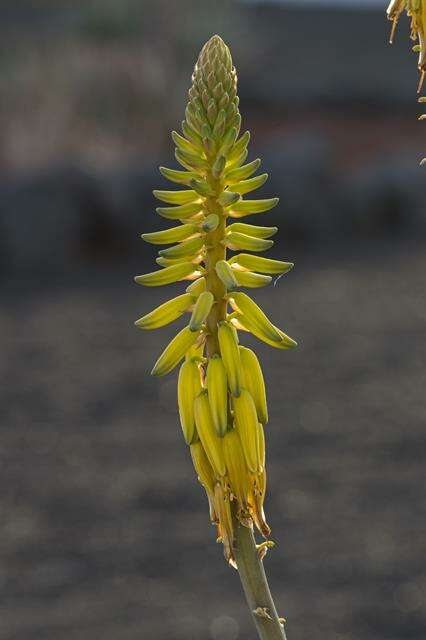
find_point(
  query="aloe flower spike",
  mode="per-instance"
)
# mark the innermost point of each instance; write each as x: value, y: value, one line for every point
x: 222, y: 397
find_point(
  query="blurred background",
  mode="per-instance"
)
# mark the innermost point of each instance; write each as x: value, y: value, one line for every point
x: 104, y: 530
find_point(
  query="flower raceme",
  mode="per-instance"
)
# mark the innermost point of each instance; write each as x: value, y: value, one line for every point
x: 416, y: 10
x: 221, y: 391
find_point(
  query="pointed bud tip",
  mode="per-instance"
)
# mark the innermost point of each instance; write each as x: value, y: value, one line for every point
x: 292, y: 344
x: 216, y: 39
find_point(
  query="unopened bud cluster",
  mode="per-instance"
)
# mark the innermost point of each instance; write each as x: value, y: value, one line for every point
x: 221, y: 391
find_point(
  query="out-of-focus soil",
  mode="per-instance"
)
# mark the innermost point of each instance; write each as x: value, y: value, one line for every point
x: 104, y: 531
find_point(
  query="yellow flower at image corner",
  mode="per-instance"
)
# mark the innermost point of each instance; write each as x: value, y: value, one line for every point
x: 416, y: 10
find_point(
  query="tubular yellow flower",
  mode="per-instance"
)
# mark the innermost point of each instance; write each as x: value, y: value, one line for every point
x: 230, y: 356
x: 168, y: 275
x: 237, y: 241
x: 245, y: 261
x: 189, y: 387
x: 221, y: 390
x: 251, y: 229
x: 205, y: 428
x: 247, y: 426
x: 226, y: 274
x: 217, y: 384
x: 252, y: 280
x: 205, y: 475
x: 201, y: 310
x: 197, y: 287
x: 225, y: 528
x: 174, y: 352
x: 255, y: 317
x: 239, y: 478
x: 166, y: 313
x: 202, y: 466
x: 254, y: 383
x: 169, y: 236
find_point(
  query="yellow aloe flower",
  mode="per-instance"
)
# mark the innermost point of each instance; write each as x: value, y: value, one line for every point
x: 221, y: 390
x: 416, y: 10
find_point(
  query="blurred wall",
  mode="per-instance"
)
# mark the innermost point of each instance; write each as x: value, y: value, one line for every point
x: 89, y: 92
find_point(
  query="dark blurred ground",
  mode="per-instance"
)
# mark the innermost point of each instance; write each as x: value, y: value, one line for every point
x: 104, y: 531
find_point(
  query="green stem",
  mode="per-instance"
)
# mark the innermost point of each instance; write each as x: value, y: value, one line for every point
x: 216, y: 251
x: 255, y: 585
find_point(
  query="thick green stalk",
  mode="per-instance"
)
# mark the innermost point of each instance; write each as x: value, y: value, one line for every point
x: 255, y: 585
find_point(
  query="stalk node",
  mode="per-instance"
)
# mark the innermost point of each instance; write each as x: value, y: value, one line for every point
x: 263, y: 612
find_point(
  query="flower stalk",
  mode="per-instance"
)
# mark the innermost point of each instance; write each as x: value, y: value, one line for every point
x: 221, y: 391
x: 253, y: 578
